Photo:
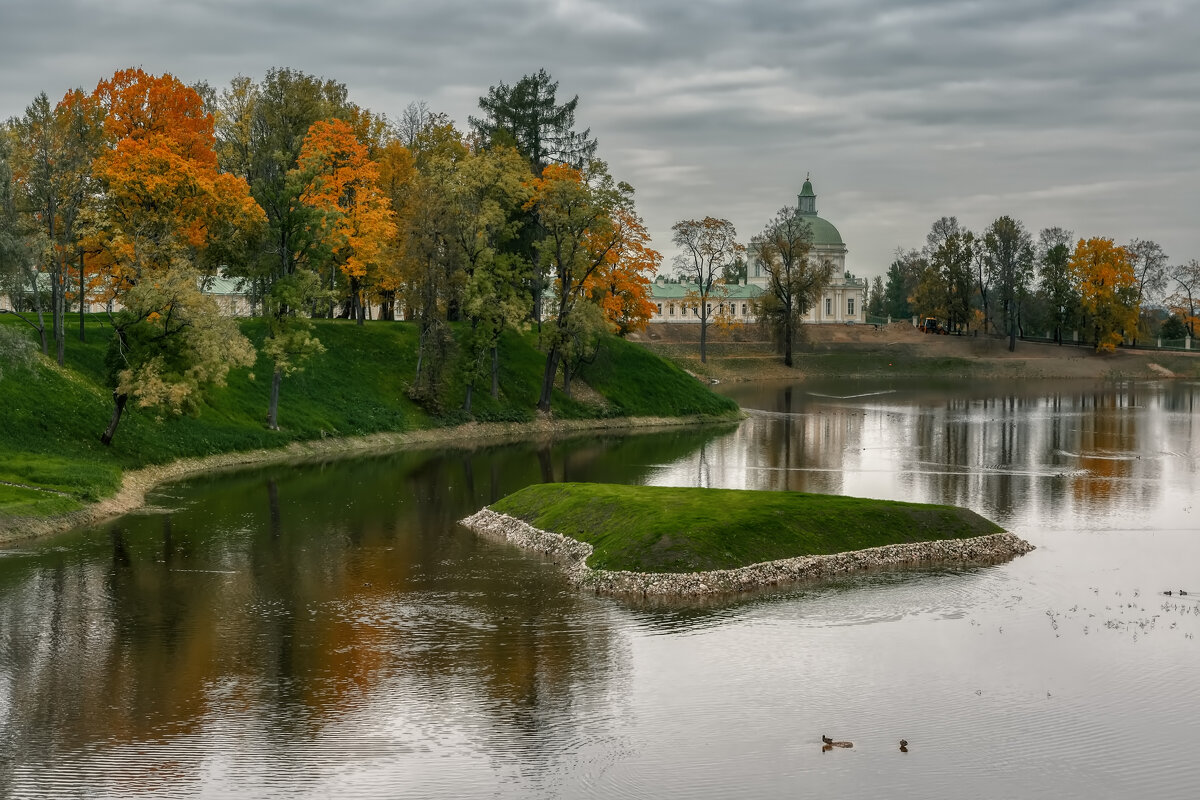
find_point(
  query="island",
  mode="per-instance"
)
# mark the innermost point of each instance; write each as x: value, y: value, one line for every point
x: 671, y: 541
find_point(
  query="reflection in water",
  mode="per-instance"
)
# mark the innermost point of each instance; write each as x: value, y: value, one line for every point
x: 328, y: 630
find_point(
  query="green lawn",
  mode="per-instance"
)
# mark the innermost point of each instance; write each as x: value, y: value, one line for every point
x: 664, y: 529
x: 53, y: 417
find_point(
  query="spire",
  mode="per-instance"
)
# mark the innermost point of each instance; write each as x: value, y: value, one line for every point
x: 806, y: 201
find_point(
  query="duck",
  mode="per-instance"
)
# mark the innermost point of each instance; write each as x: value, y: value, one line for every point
x: 826, y: 739
x: 1168, y: 593
x: 904, y: 745
x: 1182, y: 593
x: 831, y: 743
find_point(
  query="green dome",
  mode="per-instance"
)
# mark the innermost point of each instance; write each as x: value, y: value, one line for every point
x: 823, y: 232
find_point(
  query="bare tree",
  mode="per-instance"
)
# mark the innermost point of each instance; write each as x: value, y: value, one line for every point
x: 793, y: 279
x: 708, y: 247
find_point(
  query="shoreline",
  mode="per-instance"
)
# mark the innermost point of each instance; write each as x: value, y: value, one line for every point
x: 988, y: 549
x: 135, y: 484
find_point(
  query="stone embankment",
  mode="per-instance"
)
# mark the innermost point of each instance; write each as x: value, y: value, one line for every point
x: 989, y: 549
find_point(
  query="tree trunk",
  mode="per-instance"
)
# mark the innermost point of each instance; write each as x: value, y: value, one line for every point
x: 495, y: 372
x: 548, y: 380
x: 703, y: 333
x: 567, y: 377
x: 118, y: 407
x: 273, y: 404
x: 470, y: 392
x: 787, y: 344
x: 82, y: 298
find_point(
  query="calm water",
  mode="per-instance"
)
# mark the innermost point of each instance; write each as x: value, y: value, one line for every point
x: 327, y: 630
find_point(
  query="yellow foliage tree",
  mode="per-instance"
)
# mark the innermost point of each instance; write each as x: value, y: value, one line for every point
x: 1107, y: 289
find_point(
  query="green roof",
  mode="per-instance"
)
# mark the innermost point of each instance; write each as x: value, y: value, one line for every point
x: 823, y: 232
x: 806, y: 190
x: 677, y: 290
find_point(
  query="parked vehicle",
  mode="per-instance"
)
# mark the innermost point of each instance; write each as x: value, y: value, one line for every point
x: 931, y: 325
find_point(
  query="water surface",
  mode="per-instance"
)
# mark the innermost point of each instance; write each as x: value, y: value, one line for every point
x: 329, y: 630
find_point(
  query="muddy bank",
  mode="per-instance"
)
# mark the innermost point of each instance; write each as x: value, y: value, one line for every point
x: 136, y: 483
x: 990, y: 549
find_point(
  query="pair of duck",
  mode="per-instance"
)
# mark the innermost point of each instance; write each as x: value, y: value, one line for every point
x: 830, y: 743
x: 1181, y: 593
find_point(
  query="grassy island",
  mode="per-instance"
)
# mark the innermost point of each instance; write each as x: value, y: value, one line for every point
x: 667, y: 529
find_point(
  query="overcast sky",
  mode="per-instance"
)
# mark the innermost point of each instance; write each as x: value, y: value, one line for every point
x: 1079, y: 113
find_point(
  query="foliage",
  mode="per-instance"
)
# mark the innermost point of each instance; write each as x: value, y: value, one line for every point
x: 672, y: 529
x: 1008, y: 255
x: 945, y: 286
x: 1107, y: 288
x: 708, y: 249
x: 794, y: 281
x: 1056, y: 283
x: 1185, y: 301
x: 902, y: 277
x: 528, y: 116
x: 621, y: 284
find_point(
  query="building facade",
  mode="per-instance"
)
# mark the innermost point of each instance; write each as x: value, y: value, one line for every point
x: 844, y: 299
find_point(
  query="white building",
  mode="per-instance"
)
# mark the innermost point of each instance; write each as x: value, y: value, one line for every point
x: 844, y: 299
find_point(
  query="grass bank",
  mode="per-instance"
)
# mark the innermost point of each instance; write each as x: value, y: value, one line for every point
x: 664, y: 529
x: 52, y: 461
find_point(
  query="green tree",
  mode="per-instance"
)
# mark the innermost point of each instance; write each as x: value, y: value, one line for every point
x: 902, y: 276
x: 1009, y: 255
x: 950, y: 250
x: 875, y: 303
x: 1056, y: 283
x: 707, y: 249
x: 529, y: 116
x: 794, y: 281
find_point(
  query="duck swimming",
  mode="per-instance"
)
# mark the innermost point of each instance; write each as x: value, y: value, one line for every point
x: 904, y: 745
x: 831, y: 743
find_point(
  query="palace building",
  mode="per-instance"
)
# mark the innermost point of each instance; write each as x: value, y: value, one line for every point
x: 843, y: 300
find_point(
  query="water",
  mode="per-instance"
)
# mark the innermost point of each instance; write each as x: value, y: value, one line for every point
x: 328, y: 630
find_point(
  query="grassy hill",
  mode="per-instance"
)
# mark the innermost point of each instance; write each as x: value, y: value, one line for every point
x: 52, y: 461
x: 670, y: 529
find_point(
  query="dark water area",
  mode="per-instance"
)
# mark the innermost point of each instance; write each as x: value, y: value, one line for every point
x: 329, y: 630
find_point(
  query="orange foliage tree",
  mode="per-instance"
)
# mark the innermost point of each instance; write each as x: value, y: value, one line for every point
x: 1107, y: 289
x: 165, y: 219
x: 621, y: 284
x: 343, y: 183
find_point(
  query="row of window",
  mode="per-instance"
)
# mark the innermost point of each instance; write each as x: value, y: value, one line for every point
x: 733, y: 311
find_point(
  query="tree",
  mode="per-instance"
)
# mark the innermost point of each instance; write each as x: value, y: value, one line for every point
x: 1056, y: 282
x: 577, y: 215
x: 1008, y: 253
x: 1149, y: 264
x: 793, y: 280
x: 1185, y: 301
x: 902, y: 276
x: 166, y: 217
x: 621, y: 286
x: 875, y: 304
x: 343, y: 184
x: 950, y: 250
x: 708, y: 247
x: 528, y: 116
x: 1107, y: 288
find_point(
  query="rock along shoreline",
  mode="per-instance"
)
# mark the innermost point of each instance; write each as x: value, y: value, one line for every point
x: 990, y: 549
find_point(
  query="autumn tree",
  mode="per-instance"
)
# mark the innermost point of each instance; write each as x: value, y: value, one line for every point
x: 621, y: 286
x: 356, y: 219
x: 794, y: 281
x: 1107, y: 287
x: 1055, y: 281
x: 1185, y: 300
x: 707, y: 247
x: 1009, y: 254
x: 55, y: 149
x: 577, y: 212
x: 165, y: 219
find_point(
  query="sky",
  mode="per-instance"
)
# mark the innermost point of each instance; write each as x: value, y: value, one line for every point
x: 1083, y: 114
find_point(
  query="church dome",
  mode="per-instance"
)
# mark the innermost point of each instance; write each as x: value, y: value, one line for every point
x: 823, y: 232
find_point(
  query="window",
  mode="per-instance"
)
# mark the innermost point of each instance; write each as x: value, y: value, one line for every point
x: 708, y: 309
x: 660, y: 307
x: 829, y: 306
x: 671, y: 309
x: 850, y: 307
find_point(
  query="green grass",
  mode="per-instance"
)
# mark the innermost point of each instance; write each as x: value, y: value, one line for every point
x: 53, y: 417
x: 666, y: 529
x: 18, y: 501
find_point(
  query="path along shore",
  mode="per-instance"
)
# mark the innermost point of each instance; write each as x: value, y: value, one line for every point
x: 990, y: 549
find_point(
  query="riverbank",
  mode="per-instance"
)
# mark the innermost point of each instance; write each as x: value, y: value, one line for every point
x: 899, y: 349
x: 53, y: 464
x: 986, y: 549
x: 135, y: 484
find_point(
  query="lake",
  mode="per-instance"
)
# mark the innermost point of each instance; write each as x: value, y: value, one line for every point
x: 329, y: 630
